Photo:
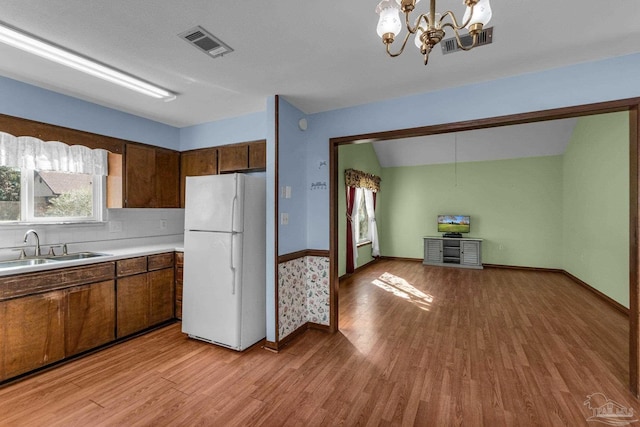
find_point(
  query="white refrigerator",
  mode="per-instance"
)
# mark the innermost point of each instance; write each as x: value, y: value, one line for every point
x: 224, y: 288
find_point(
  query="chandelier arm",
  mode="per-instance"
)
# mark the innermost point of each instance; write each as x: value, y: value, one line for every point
x: 455, y: 25
x: 418, y: 19
x: 462, y: 46
x: 404, y: 43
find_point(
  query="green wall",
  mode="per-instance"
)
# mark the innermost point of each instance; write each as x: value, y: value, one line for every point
x: 361, y: 157
x: 596, y: 204
x: 515, y: 206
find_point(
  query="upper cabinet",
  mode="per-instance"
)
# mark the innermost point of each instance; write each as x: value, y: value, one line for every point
x: 244, y: 157
x: 151, y: 177
x: 250, y: 156
x: 195, y: 163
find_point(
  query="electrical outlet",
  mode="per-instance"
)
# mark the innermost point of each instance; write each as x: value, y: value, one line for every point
x: 115, y: 226
x: 163, y: 224
x: 284, y: 218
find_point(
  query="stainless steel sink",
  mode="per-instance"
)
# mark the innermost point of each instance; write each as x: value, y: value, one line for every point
x: 51, y: 259
x: 77, y: 255
x: 18, y: 263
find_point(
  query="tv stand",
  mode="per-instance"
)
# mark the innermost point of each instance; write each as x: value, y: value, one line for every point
x: 445, y: 251
x: 453, y: 235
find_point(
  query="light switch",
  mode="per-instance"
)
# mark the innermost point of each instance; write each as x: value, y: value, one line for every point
x: 287, y: 192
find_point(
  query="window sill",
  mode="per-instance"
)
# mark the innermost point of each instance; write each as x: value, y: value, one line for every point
x: 363, y: 243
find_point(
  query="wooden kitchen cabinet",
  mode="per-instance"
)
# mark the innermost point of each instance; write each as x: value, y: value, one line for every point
x: 133, y: 304
x: 258, y: 155
x: 145, y: 292
x: 32, y: 331
x: 151, y: 177
x: 90, y: 317
x: 161, y: 287
x: 161, y: 298
x: 233, y: 158
x: 245, y: 157
x: 179, y: 281
x: 197, y: 163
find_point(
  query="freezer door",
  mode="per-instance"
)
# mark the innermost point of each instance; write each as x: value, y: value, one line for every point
x: 214, y: 203
x: 211, y: 287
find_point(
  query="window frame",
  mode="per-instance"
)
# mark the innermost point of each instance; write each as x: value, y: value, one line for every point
x: 27, y: 203
x: 362, y: 206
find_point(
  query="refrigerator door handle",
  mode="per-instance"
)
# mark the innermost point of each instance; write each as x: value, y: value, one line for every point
x: 233, y: 266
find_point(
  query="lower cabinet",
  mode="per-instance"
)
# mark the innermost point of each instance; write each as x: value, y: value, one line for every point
x: 90, y: 319
x: 179, y: 281
x: 80, y: 308
x: 161, y: 298
x: 133, y: 304
x: 145, y: 297
x: 32, y: 332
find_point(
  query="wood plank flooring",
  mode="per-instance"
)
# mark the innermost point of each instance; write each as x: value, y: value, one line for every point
x: 426, y: 346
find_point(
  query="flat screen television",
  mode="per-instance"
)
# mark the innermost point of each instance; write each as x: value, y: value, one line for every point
x: 454, y: 225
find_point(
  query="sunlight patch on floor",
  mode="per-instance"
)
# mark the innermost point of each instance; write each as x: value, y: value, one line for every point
x: 403, y: 289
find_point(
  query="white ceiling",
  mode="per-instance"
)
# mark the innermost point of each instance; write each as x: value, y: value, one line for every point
x: 319, y: 55
x: 548, y: 138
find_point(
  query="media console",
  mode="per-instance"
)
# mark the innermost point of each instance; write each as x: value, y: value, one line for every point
x: 453, y: 252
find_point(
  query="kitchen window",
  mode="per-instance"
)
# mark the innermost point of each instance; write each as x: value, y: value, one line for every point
x: 50, y: 182
x: 28, y: 195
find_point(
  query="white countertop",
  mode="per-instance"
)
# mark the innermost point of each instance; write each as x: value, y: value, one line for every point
x: 112, y: 254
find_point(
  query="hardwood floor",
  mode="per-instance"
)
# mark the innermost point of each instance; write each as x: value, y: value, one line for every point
x: 418, y: 345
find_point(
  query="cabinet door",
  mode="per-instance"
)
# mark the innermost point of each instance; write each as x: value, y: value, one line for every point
x: 132, y: 304
x: 167, y: 179
x: 197, y: 163
x: 179, y: 280
x: 91, y: 317
x: 140, y: 165
x: 161, y: 295
x: 258, y: 155
x: 470, y: 253
x: 232, y: 158
x: 433, y: 250
x: 32, y: 332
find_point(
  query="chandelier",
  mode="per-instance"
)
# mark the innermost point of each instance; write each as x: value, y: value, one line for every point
x: 429, y: 27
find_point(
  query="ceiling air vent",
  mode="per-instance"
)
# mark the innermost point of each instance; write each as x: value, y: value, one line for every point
x: 450, y: 45
x: 205, y: 41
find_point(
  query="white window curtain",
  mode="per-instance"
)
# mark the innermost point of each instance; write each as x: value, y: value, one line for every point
x: 355, y: 227
x: 32, y: 153
x: 373, y: 229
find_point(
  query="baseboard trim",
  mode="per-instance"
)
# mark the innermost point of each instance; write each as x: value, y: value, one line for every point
x: 607, y: 299
x: 395, y: 258
x: 613, y: 303
x: 358, y: 269
x: 277, y: 346
x: 518, y: 267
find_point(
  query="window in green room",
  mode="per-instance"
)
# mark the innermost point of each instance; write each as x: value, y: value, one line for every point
x: 363, y: 219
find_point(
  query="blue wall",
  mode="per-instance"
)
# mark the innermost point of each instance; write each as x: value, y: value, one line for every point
x: 292, y: 150
x: 23, y: 100
x: 249, y: 127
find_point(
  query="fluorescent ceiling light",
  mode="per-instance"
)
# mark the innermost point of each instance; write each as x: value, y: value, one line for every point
x: 30, y: 44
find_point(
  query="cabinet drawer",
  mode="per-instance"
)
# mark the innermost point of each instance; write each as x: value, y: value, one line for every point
x: 160, y: 261
x: 127, y: 267
x: 179, y: 259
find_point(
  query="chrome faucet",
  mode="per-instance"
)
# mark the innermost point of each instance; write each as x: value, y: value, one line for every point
x: 26, y: 235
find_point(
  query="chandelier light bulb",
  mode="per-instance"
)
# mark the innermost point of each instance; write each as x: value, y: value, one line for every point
x: 417, y: 41
x: 389, y: 18
x: 481, y: 13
